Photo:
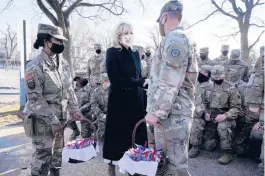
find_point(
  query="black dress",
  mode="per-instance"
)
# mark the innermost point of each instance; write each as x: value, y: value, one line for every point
x: 125, y: 103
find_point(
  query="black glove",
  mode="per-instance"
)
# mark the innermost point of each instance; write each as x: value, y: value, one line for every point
x: 139, y: 82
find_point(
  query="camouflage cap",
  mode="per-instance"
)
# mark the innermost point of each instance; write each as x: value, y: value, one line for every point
x: 218, y: 71
x: 104, y: 77
x: 194, y: 44
x: 97, y: 46
x: 171, y: 6
x: 224, y: 47
x: 235, y: 53
x: 205, y: 69
x: 204, y: 50
x: 54, y: 31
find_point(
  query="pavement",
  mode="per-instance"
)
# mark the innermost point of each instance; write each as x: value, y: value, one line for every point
x: 9, y: 86
x: 15, y: 157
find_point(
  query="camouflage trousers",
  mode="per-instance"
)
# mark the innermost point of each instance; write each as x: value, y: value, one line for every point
x: 177, y: 129
x: 101, y: 129
x: 205, y: 133
x: 258, y: 135
x: 47, y: 149
x: 242, y: 134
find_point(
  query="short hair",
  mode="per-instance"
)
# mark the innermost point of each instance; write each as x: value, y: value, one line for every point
x: 77, y: 78
x: 174, y: 14
x: 120, y: 29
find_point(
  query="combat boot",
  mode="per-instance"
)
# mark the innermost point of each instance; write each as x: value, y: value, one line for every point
x: 75, y: 134
x: 226, y: 158
x: 54, y: 172
x: 194, y: 151
x: 111, y: 170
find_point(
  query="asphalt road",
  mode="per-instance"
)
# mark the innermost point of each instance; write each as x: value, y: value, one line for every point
x: 9, y: 86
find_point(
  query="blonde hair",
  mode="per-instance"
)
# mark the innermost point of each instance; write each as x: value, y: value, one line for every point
x: 120, y: 29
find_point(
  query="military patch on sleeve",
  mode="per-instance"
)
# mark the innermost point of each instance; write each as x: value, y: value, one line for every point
x: 175, y: 53
x: 29, y: 75
x: 31, y: 83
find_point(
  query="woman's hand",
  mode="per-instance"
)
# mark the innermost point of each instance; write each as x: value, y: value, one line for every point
x: 146, y: 82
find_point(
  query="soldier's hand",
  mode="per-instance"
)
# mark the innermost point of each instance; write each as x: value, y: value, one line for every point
x: 254, y: 110
x: 257, y: 127
x: 77, y: 116
x: 220, y: 118
x: 207, y: 117
x: 57, y: 128
x: 151, y: 119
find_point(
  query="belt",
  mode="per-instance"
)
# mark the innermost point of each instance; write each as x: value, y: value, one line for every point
x: 126, y: 88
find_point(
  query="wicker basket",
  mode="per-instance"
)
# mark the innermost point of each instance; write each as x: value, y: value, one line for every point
x: 162, y: 165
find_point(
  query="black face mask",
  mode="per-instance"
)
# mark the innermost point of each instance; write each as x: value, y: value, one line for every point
x: 202, y: 78
x: 57, y: 48
x: 218, y: 82
x: 98, y: 51
x: 148, y: 54
x: 225, y: 53
x: 203, y: 57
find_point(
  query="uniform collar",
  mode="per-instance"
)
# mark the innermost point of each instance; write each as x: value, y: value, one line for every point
x: 49, y: 60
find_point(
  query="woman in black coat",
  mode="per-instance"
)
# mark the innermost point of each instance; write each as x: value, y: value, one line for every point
x: 125, y: 102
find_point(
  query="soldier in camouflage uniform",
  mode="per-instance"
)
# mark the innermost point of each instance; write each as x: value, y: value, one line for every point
x: 204, y: 57
x: 260, y: 60
x: 220, y: 105
x: 243, y: 125
x: 198, y: 118
x: 255, y: 100
x: 50, y: 94
x: 171, y: 91
x: 242, y: 67
x: 224, y: 56
x: 99, y: 101
x: 94, y: 67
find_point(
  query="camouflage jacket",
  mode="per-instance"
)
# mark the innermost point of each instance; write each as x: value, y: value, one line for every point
x: 205, y: 62
x: 221, y: 99
x: 255, y: 92
x: 172, y: 78
x: 83, y: 96
x: 99, y: 101
x: 220, y: 60
x: 93, y: 71
x: 200, y: 88
x: 242, y: 67
x: 49, y: 90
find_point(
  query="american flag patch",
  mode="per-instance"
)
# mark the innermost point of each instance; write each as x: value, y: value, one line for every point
x: 29, y: 75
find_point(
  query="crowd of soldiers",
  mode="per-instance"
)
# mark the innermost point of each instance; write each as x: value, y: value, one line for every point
x: 228, y: 100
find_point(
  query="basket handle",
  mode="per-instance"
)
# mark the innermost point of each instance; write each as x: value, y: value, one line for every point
x: 159, y: 125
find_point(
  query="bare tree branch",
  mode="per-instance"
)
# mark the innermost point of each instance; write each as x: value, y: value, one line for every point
x: 220, y: 9
x: 235, y: 8
x: 256, y: 25
x: 109, y: 9
x: 206, y: 18
x: 62, y: 3
x: 47, y: 12
x: 9, y: 3
x: 257, y: 40
x: 258, y: 3
x: 227, y: 36
x: 53, y: 4
x: 71, y: 8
